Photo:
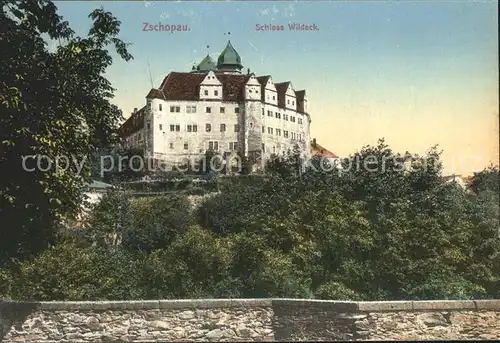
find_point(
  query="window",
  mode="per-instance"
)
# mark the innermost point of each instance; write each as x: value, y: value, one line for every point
x: 222, y: 110
x: 208, y: 110
x: 176, y: 109
x: 206, y: 92
x: 208, y: 127
x: 293, y: 102
x: 270, y: 130
x: 148, y: 125
x: 292, y: 119
x: 285, y: 133
x: 161, y: 127
x: 251, y: 125
x: 236, y: 128
x: 263, y: 129
x: 216, y: 93
x: 263, y: 147
x: 233, y: 146
x: 191, y: 109
x: 190, y: 128
x: 278, y: 115
x: 237, y: 110
x: 278, y: 132
x: 171, y: 145
x: 172, y: 128
x: 160, y: 107
x: 299, y: 120
x: 213, y: 145
x: 274, y: 97
x: 285, y: 116
x: 269, y: 113
x: 262, y: 111
x: 186, y: 146
x: 222, y: 127
x: 288, y: 101
x: 195, y: 128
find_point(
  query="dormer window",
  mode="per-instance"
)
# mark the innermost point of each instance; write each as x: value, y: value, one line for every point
x: 206, y: 92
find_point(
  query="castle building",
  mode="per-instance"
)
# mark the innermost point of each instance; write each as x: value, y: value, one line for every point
x: 217, y: 107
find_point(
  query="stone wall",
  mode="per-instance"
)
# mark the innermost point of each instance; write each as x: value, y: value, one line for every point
x: 247, y: 320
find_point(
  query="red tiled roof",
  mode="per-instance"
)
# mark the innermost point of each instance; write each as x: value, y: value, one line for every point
x: 156, y: 94
x: 318, y: 150
x: 185, y: 86
x: 182, y: 86
x: 281, y: 89
x: 233, y: 86
x: 133, y: 124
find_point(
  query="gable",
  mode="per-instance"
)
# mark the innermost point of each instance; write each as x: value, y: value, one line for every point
x: 210, y: 80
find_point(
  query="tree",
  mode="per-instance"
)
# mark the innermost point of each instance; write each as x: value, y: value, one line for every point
x: 52, y: 104
x: 69, y: 272
x: 286, y: 165
x: 486, y: 180
x: 111, y: 219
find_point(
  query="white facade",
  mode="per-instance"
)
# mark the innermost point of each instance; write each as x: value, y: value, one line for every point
x: 226, y: 112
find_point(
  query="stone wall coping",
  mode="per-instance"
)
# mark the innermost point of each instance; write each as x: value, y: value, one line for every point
x: 341, y: 306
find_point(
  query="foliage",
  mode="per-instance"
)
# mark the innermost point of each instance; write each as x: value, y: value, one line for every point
x: 68, y: 272
x: 195, y: 265
x: 121, y: 165
x: 52, y: 104
x: 157, y: 221
x: 111, y: 219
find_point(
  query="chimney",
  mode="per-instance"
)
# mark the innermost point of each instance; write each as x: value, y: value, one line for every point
x: 135, y: 109
x: 248, y: 71
x: 314, y: 141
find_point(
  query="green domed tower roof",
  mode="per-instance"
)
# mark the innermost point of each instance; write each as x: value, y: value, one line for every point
x: 229, y: 59
x: 207, y: 64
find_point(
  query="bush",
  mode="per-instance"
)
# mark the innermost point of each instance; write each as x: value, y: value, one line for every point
x: 195, y: 190
x: 157, y: 221
x: 69, y: 272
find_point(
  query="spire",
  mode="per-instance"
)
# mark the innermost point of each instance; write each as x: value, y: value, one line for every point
x: 207, y: 64
x: 229, y: 59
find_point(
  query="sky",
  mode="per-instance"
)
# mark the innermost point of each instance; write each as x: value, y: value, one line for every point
x: 416, y: 73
